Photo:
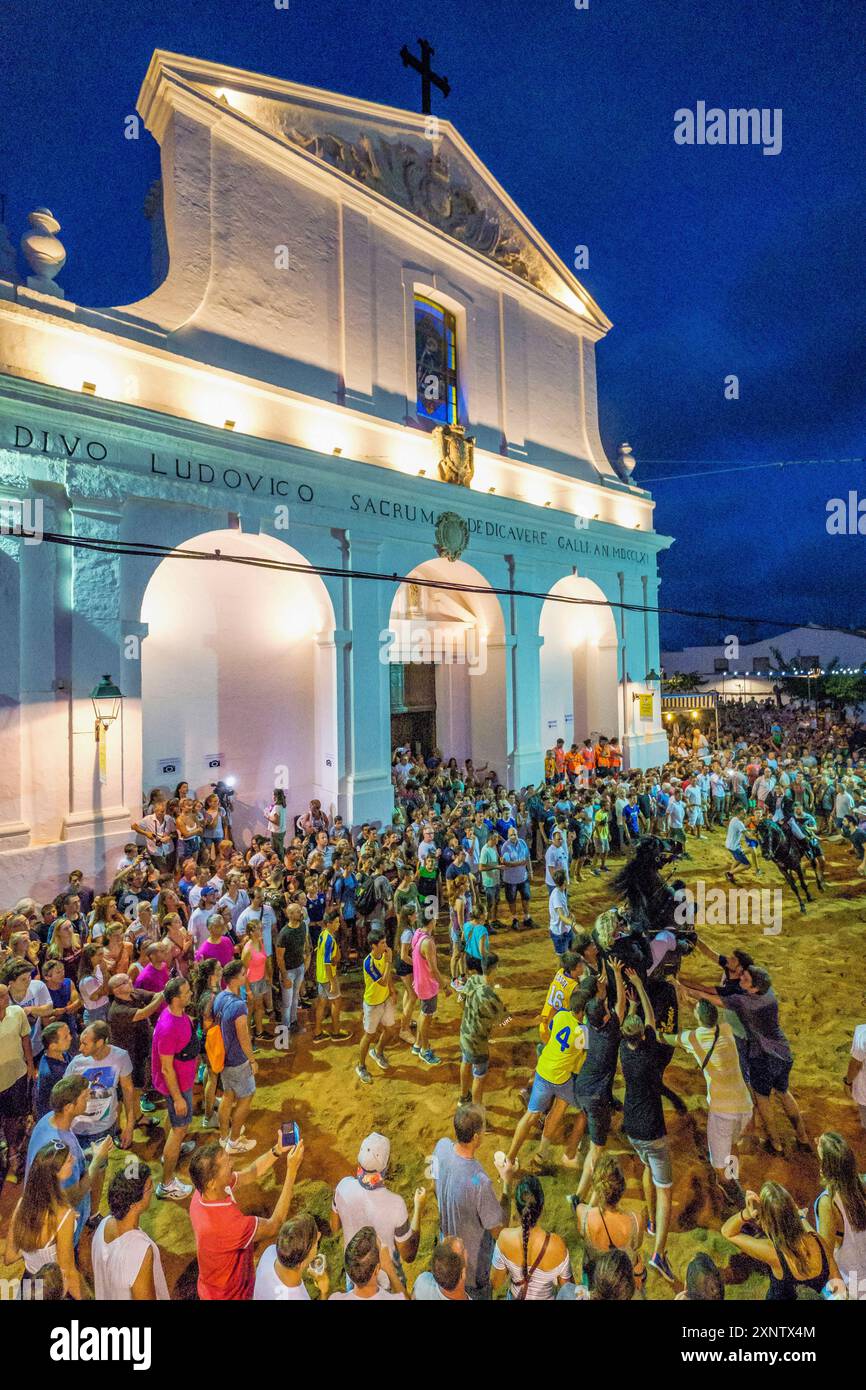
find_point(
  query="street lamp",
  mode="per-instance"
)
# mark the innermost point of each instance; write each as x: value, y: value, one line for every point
x: 106, y: 700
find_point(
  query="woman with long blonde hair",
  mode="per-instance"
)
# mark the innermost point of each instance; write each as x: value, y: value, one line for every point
x: 795, y: 1255
x: 840, y: 1211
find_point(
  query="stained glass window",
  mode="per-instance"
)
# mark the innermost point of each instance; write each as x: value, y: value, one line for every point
x: 436, y: 362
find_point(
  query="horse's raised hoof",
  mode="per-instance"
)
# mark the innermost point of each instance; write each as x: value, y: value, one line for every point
x: 803, y: 906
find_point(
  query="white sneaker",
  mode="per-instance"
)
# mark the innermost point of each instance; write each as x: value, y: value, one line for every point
x: 174, y: 1191
x: 237, y: 1146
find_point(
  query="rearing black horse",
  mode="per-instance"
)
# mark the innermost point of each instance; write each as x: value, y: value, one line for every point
x: 651, y: 903
x: 786, y: 853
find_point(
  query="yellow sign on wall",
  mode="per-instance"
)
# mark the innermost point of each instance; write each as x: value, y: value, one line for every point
x: 645, y: 706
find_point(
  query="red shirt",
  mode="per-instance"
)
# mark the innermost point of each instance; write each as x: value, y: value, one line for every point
x: 224, y: 1244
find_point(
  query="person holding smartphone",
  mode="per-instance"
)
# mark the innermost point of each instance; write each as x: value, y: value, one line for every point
x: 224, y: 1235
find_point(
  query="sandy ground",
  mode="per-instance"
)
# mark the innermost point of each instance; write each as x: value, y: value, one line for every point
x: 818, y: 970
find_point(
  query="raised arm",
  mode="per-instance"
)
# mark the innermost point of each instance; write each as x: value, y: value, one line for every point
x: 648, y: 1012
x: 620, y: 1001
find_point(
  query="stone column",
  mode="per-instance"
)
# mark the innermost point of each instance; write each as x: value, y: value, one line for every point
x: 17, y: 515
x: 44, y: 678
x: 523, y: 677
x: 96, y: 809
x: 366, y: 790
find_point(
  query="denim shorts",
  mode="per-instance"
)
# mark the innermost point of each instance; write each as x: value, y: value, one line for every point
x: 478, y: 1064
x: 515, y: 890
x: 655, y: 1154
x: 239, y: 1080
x: 429, y: 1006
x: 562, y: 942
x: 545, y: 1092
x: 179, y: 1121
x: 258, y: 988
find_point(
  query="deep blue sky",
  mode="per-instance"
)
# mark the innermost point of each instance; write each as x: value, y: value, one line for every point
x: 709, y: 260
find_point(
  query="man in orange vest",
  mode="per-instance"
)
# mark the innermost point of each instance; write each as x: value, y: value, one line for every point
x: 602, y: 756
x: 614, y: 753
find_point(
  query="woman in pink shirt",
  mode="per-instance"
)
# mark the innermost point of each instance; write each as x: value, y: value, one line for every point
x: 255, y: 959
x: 426, y: 980
x: 218, y: 946
x: 154, y: 975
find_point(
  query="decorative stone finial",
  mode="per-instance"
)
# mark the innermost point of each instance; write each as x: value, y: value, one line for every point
x: 625, y: 463
x: 43, y: 252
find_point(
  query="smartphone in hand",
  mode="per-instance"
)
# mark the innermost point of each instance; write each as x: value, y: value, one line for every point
x: 290, y: 1134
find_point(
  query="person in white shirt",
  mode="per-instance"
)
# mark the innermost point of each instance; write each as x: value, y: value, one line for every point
x: 734, y: 846
x: 235, y: 899
x: 261, y: 911
x: 198, y: 919
x: 31, y: 995
x: 202, y: 880
x: 675, y: 817
x: 364, y: 1200
x: 561, y: 921
x: 855, y: 1080
x: 130, y: 856
x: 843, y: 807
x: 694, y: 802
x: 127, y: 1265
x: 365, y: 1261
x: 555, y: 857
x: 158, y: 830
x: 282, y: 1267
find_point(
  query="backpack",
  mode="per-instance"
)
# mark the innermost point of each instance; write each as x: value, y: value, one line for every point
x: 215, y: 1048
x: 365, y: 898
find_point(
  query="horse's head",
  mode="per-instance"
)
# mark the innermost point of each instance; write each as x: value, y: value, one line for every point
x: 654, y: 852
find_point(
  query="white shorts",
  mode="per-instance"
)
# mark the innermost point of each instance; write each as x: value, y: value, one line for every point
x: 723, y: 1131
x: 378, y: 1016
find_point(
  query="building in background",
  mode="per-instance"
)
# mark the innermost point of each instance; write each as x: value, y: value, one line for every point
x: 364, y: 374
x: 752, y: 672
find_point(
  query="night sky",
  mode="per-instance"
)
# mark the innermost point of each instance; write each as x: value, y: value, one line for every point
x: 709, y: 260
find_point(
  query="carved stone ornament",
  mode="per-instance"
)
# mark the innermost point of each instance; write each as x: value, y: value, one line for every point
x: 452, y: 535
x: 455, y: 451
x: 421, y: 181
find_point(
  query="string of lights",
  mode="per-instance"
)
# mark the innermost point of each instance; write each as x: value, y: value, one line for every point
x: 734, y: 468
x: 108, y: 546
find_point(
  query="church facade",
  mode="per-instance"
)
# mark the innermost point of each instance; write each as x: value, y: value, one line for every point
x: 336, y: 485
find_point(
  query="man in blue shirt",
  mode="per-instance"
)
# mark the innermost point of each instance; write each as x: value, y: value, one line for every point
x: 514, y: 856
x: 69, y: 1099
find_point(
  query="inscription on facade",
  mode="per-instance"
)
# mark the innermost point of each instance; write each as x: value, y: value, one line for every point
x: 72, y: 445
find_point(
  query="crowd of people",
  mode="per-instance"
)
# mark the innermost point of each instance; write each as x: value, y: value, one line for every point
x: 148, y: 1005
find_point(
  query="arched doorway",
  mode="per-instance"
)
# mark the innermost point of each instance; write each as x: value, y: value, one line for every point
x: 447, y: 657
x: 578, y: 665
x: 239, y: 664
